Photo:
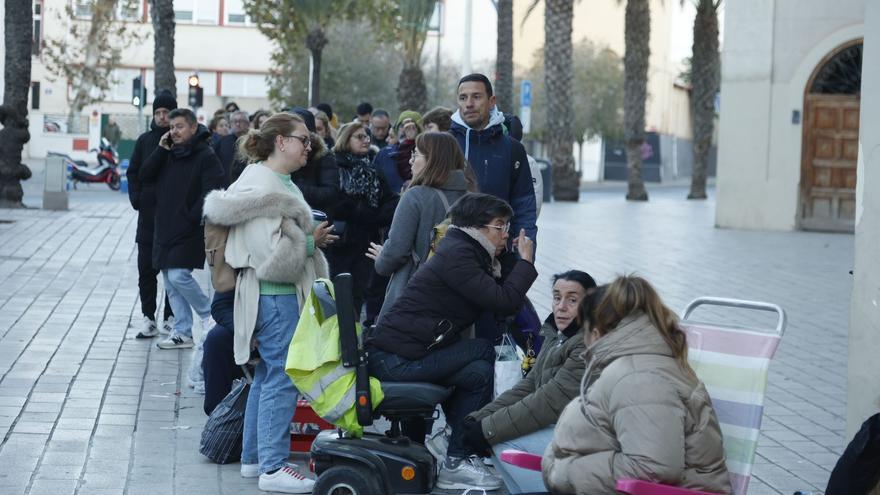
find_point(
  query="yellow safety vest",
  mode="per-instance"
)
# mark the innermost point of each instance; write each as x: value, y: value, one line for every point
x: 314, y: 363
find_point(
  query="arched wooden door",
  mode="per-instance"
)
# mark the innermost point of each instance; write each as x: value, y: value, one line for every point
x: 831, y: 142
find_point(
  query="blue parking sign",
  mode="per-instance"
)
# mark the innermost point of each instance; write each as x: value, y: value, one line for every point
x: 525, y: 94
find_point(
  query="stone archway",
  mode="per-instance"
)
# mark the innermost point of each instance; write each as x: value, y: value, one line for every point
x: 831, y: 141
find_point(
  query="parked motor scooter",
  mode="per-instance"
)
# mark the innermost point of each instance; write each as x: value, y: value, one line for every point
x: 107, y: 170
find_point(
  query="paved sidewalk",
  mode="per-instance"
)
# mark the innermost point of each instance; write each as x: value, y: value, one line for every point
x: 87, y: 409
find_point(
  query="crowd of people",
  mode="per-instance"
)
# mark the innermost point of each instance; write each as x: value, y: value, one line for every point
x: 305, y: 196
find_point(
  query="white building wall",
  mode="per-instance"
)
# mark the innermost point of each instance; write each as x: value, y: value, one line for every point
x: 232, y: 61
x: 771, y: 48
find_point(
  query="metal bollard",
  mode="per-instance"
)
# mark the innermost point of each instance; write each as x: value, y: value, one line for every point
x: 56, y: 184
x: 123, y: 184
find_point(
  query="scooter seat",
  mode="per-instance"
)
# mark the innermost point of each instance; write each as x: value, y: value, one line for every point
x: 410, y: 398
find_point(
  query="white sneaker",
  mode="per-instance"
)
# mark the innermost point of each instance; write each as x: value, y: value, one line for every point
x: 286, y: 480
x: 253, y: 470
x: 148, y: 330
x: 176, y: 341
x: 469, y: 473
x: 208, y: 324
x: 167, y: 326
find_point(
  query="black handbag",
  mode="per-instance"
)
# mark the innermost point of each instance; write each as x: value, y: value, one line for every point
x: 222, y: 437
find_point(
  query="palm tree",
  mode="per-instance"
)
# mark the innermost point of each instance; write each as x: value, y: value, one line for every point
x: 705, y: 77
x: 415, y: 15
x: 292, y: 24
x: 13, y: 113
x: 637, y: 35
x: 504, y: 57
x: 558, y: 16
x: 162, y: 13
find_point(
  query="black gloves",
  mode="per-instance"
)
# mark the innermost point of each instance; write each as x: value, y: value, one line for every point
x: 474, y: 439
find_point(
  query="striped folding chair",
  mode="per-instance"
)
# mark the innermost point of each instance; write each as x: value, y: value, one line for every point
x: 732, y: 362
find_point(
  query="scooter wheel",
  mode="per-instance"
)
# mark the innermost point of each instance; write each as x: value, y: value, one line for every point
x: 347, y: 480
x: 114, y: 183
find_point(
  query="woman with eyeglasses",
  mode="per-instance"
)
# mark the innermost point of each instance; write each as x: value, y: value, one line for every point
x: 274, y: 246
x: 366, y: 205
x: 439, y: 178
x: 419, y: 338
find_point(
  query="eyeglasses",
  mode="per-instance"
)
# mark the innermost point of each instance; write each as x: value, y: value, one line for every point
x: 503, y: 228
x: 416, y: 154
x: 305, y: 140
x: 362, y: 137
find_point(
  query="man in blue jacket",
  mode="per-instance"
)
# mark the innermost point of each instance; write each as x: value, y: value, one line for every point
x: 499, y: 161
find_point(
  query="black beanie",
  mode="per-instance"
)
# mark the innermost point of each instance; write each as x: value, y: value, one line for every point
x: 307, y: 117
x: 164, y: 99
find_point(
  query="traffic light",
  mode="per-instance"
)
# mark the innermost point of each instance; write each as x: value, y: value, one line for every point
x: 195, y: 91
x: 138, y: 92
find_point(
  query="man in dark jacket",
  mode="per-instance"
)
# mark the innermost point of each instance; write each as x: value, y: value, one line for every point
x: 499, y: 162
x: 142, y: 195
x: 227, y: 146
x: 319, y: 179
x: 185, y: 169
x: 418, y: 339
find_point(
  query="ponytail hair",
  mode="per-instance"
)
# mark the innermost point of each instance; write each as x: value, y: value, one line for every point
x: 258, y: 144
x: 631, y: 294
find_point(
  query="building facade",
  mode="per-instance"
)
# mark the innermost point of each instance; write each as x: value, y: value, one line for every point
x: 667, y: 112
x: 789, y: 129
x: 213, y: 39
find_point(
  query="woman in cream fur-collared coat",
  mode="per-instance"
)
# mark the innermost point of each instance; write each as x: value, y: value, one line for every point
x: 274, y: 246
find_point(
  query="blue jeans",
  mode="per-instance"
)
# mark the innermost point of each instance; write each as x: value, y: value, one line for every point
x: 468, y: 365
x: 272, y: 398
x: 517, y: 479
x: 183, y: 291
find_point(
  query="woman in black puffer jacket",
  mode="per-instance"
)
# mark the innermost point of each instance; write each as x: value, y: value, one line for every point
x: 365, y: 207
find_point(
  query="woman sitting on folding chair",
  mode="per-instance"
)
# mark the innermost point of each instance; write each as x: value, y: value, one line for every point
x: 642, y: 412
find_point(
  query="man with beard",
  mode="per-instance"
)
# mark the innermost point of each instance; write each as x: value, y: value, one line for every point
x: 142, y: 195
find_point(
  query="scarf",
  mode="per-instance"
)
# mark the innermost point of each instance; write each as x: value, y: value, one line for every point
x: 487, y: 245
x: 358, y: 179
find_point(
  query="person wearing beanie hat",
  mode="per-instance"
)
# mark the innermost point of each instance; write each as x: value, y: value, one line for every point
x: 164, y: 99
x: 142, y: 196
x: 307, y: 116
x: 393, y: 160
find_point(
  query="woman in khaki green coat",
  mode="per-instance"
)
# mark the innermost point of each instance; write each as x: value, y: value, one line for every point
x: 523, y: 417
x: 642, y: 413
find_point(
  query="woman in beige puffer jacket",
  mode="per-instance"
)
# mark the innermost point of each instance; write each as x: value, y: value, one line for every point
x: 642, y: 413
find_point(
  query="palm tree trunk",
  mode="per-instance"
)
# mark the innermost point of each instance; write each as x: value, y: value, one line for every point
x: 412, y: 92
x: 162, y: 12
x: 504, y: 58
x: 558, y: 17
x: 637, y: 34
x: 18, y: 38
x: 705, y: 79
x: 316, y: 40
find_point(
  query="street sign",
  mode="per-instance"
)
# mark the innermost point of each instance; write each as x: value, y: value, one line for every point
x: 525, y: 94
x: 525, y: 105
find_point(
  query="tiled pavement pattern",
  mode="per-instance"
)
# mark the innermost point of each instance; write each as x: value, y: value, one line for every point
x: 87, y: 409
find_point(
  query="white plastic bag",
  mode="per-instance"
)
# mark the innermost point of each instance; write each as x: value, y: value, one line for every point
x: 508, y: 365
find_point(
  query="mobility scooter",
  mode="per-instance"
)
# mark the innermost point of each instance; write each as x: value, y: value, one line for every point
x: 374, y: 464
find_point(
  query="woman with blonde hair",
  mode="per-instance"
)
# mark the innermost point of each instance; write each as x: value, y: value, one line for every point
x: 440, y: 176
x: 273, y: 244
x: 642, y: 412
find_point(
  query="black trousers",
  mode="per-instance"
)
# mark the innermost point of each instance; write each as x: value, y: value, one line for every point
x: 147, y: 285
x: 218, y: 364
x: 352, y: 259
